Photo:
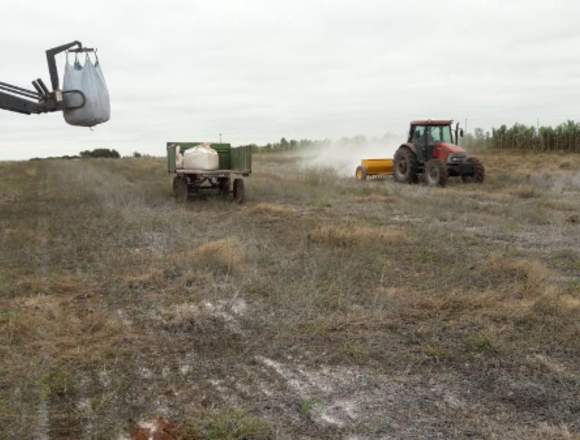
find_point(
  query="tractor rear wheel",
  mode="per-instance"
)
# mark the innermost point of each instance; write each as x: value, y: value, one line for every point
x: 405, y: 166
x: 361, y: 173
x: 180, y: 189
x: 436, y: 173
x: 478, y: 174
x: 239, y: 191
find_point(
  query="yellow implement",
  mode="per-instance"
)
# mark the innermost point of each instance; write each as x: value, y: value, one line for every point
x: 374, y: 168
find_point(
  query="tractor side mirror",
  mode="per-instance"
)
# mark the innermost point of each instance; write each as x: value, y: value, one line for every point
x: 461, y: 132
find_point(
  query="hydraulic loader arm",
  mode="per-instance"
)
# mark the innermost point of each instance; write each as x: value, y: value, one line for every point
x: 41, y: 99
x: 51, y: 60
x: 14, y: 103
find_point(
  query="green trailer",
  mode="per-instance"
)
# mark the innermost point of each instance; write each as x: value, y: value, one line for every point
x: 234, y: 165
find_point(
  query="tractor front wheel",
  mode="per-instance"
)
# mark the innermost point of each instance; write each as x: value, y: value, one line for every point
x: 405, y: 166
x: 361, y: 173
x: 436, y: 173
x: 478, y: 173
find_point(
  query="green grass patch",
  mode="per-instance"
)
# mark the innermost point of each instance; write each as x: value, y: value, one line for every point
x: 574, y: 285
x: 436, y: 352
x: 57, y: 383
x: 305, y: 407
x: 478, y: 344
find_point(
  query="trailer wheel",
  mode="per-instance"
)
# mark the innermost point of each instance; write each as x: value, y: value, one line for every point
x: 239, y: 191
x: 224, y: 185
x: 361, y: 173
x: 436, y: 173
x: 180, y: 189
x: 478, y: 175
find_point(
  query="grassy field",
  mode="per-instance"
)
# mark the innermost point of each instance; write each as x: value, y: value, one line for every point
x: 321, y: 309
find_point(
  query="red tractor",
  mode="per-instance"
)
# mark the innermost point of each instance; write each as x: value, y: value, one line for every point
x: 432, y: 153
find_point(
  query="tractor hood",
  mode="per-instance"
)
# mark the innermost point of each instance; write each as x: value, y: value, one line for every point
x: 443, y: 151
x: 449, y: 148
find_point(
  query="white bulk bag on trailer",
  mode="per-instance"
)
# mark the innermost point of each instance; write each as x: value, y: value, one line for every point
x: 89, y: 79
x: 178, y: 157
x: 202, y: 157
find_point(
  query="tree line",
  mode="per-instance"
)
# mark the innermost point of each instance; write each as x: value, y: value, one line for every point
x: 104, y: 153
x: 287, y: 145
x: 564, y: 137
x: 304, y: 144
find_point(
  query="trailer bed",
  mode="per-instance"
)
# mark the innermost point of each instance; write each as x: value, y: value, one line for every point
x: 212, y: 173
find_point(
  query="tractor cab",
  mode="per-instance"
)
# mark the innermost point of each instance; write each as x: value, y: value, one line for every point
x: 426, y: 136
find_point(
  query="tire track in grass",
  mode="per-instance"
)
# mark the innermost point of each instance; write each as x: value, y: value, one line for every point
x: 42, y: 427
x: 54, y: 418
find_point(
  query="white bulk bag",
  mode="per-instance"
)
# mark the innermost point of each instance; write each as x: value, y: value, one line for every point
x: 88, y: 79
x: 72, y: 81
x: 202, y: 157
x: 178, y: 157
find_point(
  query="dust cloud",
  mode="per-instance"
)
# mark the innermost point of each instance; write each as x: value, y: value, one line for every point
x: 344, y: 155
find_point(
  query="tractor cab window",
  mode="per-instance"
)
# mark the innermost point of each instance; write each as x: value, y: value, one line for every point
x: 441, y: 133
x: 418, y: 134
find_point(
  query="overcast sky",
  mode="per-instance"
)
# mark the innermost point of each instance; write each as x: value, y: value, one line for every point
x: 257, y: 70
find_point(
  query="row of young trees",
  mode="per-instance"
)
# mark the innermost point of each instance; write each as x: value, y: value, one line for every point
x: 287, y: 145
x: 564, y: 137
x: 304, y: 144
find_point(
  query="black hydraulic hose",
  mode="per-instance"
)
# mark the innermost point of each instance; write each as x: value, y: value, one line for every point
x: 18, y: 90
x: 37, y: 87
x: 19, y: 105
x: 45, y: 90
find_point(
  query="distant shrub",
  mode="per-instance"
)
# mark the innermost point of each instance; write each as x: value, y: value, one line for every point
x: 100, y: 153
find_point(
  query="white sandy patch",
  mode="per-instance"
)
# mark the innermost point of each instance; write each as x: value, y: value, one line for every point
x: 218, y: 384
x: 326, y: 386
x: 227, y: 311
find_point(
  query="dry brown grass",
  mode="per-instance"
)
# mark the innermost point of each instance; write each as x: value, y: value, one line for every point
x: 51, y: 326
x: 528, y: 277
x: 272, y: 209
x: 524, y: 192
x: 376, y: 198
x: 227, y: 254
x: 352, y: 235
x: 323, y: 308
x: 556, y: 432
